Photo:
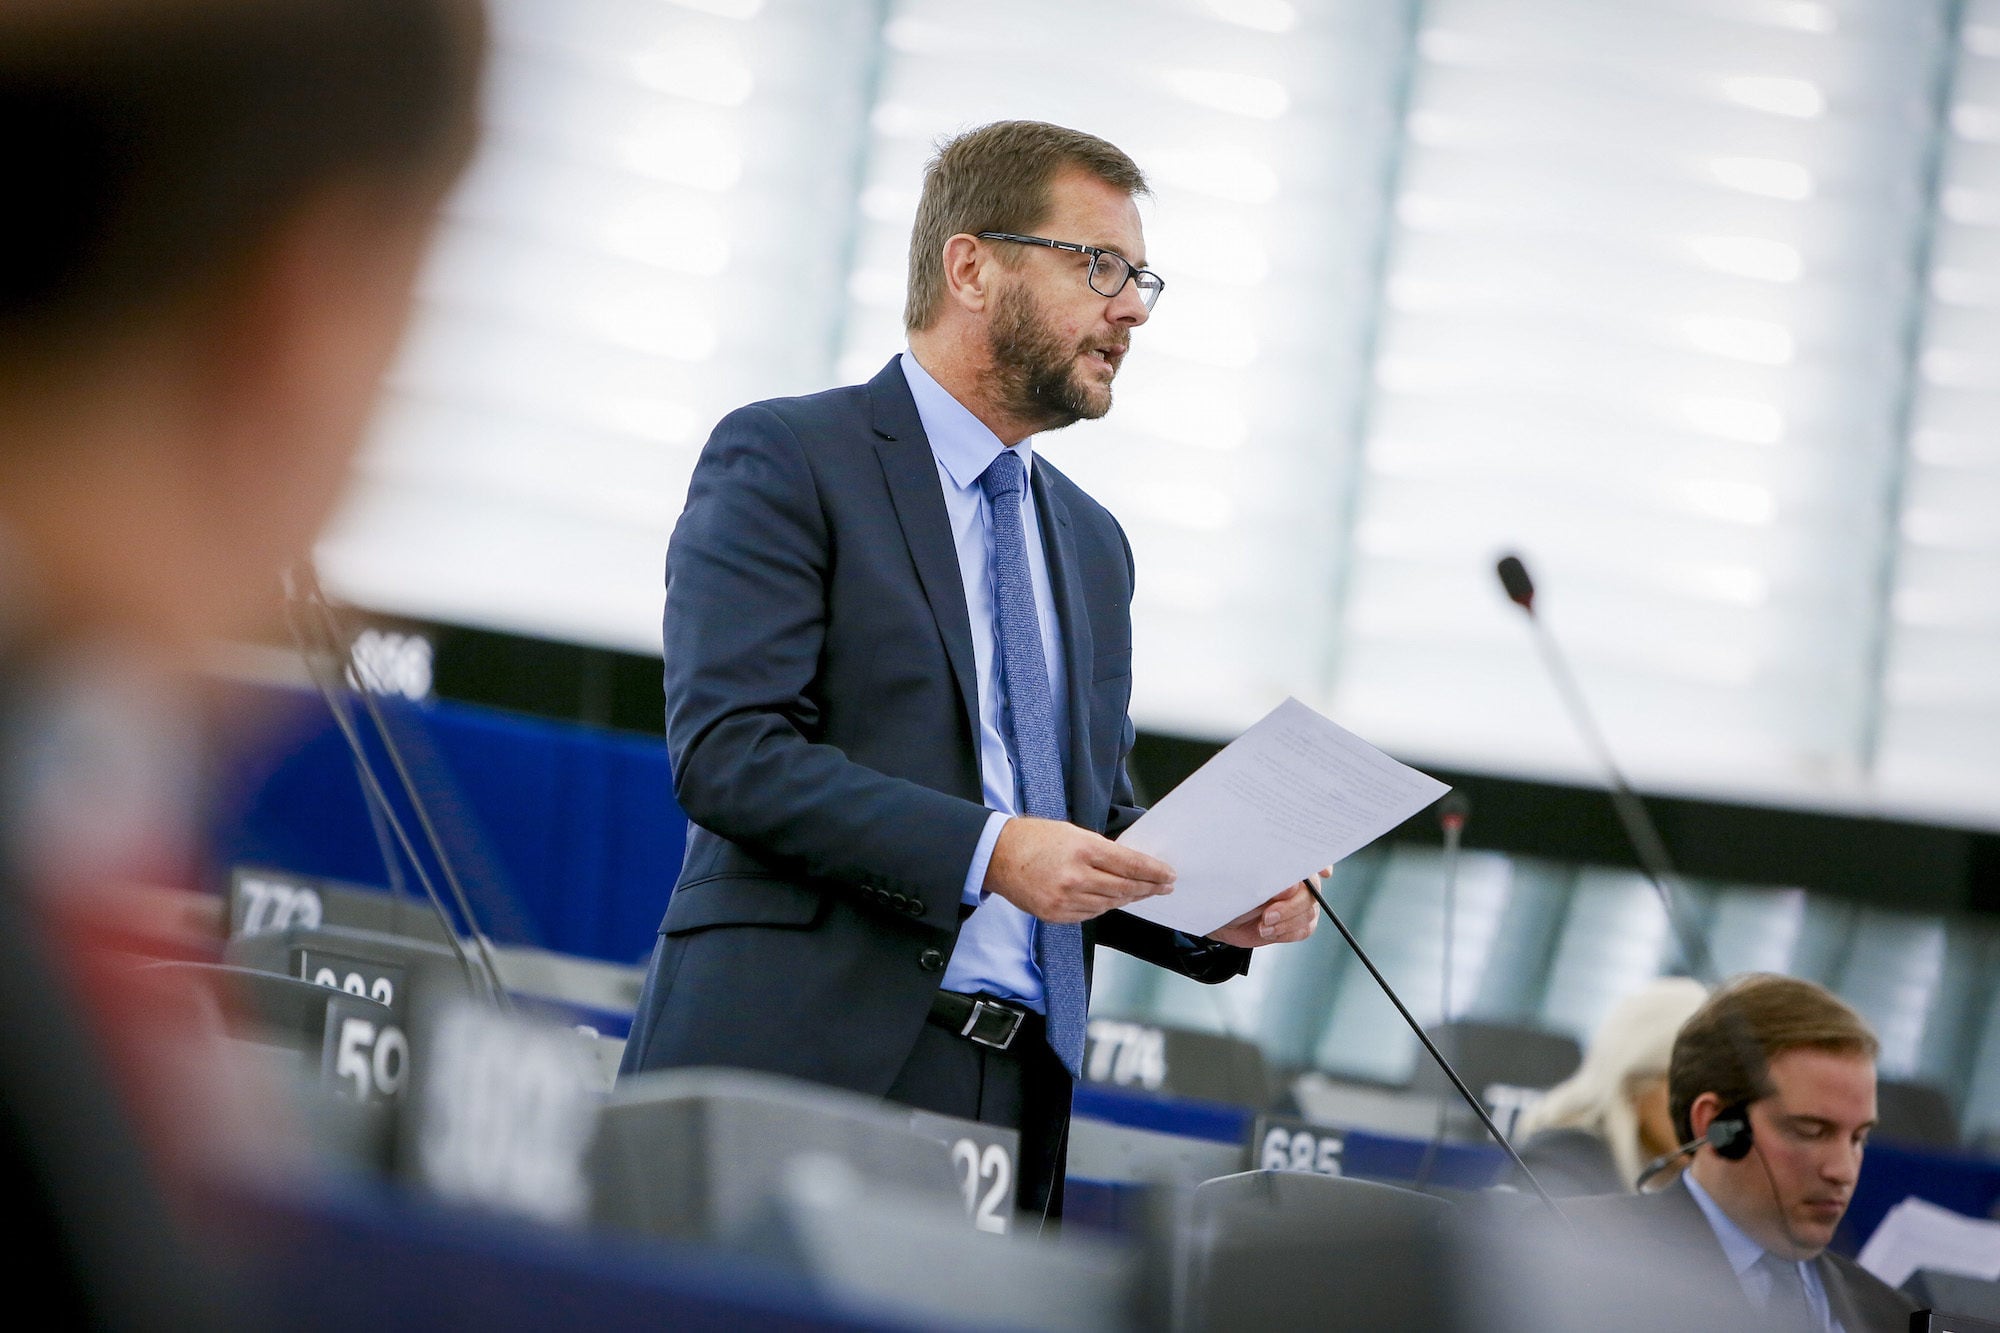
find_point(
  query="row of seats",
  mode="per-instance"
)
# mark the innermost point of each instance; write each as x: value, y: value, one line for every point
x: 1550, y: 948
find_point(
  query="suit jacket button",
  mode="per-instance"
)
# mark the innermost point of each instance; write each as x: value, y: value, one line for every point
x: 930, y: 960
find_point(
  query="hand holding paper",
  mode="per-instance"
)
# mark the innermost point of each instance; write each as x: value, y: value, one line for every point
x: 1292, y: 794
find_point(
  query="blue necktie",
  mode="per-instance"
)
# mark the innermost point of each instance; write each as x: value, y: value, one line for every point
x: 1787, y: 1307
x: 1031, y: 720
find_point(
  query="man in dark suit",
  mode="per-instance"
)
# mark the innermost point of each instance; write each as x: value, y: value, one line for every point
x: 1755, y: 1210
x: 898, y: 663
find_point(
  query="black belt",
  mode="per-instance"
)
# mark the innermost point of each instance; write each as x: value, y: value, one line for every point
x: 985, y: 1020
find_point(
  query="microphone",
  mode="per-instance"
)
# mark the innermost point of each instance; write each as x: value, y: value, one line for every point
x: 1640, y: 830
x: 1514, y: 578
x: 1452, y: 813
x: 1437, y: 1056
x: 302, y: 592
x: 1729, y: 1133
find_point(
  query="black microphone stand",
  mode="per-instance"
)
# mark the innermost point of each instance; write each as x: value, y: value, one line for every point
x: 1431, y: 1046
x: 302, y: 594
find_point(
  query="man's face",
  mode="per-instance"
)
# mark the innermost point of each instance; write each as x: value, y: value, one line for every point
x: 1056, y: 343
x: 1808, y: 1135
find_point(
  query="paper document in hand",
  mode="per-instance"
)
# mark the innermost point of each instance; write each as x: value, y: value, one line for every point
x: 1292, y: 794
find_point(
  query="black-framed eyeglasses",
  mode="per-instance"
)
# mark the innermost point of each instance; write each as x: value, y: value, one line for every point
x: 1109, y: 271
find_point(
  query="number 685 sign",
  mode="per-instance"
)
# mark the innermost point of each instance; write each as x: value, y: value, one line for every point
x: 1283, y: 1144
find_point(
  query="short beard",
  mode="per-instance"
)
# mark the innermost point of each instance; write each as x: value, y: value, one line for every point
x: 1034, y: 371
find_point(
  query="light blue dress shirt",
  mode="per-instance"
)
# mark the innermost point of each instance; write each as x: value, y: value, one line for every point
x: 1744, y: 1252
x: 995, y: 952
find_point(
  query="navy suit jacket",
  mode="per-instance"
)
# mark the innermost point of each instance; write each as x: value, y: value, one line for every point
x: 821, y: 717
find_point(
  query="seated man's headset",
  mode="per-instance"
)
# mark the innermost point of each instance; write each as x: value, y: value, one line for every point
x: 1728, y: 1134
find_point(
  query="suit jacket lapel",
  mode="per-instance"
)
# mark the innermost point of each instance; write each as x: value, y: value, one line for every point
x: 1072, y: 613
x: 1838, y: 1301
x: 911, y: 472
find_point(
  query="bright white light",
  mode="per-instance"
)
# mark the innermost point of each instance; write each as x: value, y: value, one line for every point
x: 1951, y: 369
x: 888, y: 203
x: 1749, y: 257
x: 876, y: 287
x: 900, y: 120
x: 916, y: 38
x: 1980, y: 124
x: 1742, y: 419
x: 1216, y: 251
x: 664, y: 151
x: 1429, y: 212
x: 1438, y: 129
x: 1735, y: 501
x: 1774, y: 178
x: 1213, y: 342
x: 1196, y: 420
x: 728, y: 9
x: 679, y: 333
x: 1974, y: 208
x: 1249, y: 95
x: 1416, y: 295
x: 1778, y: 95
x: 1442, y: 46
x: 648, y: 418
x: 668, y: 233
x: 1800, y: 15
x: 1981, y: 39
x: 1201, y: 508
x: 1757, y: 340
x: 698, y: 72
x: 1238, y: 177
x: 1724, y: 583
x: 1263, y: 15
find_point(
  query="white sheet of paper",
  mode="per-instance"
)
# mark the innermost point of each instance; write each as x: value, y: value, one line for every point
x: 1293, y: 793
x: 1916, y: 1233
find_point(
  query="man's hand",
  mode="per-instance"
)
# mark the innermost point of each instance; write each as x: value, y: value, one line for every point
x: 1285, y: 919
x: 1058, y: 872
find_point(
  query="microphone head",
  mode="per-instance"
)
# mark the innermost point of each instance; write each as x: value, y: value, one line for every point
x: 1514, y: 578
x: 1453, y: 809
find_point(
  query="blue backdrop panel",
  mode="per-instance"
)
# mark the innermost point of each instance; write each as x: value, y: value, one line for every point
x: 565, y: 837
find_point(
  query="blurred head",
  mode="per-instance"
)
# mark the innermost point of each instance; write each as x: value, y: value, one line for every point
x: 225, y: 205
x: 1805, y: 1064
x: 1619, y: 1092
x: 1043, y: 344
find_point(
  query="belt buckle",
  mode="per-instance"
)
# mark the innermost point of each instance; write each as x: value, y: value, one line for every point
x: 999, y: 1034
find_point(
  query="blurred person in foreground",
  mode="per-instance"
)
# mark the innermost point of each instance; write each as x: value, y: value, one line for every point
x: 219, y: 208
x: 898, y: 654
x: 1595, y: 1131
x: 1756, y: 1225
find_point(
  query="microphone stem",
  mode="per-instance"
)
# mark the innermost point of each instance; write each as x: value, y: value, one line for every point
x: 1431, y: 1047
x: 1654, y: 862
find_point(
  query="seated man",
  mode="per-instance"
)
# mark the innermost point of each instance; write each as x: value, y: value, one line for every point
x: 1752, y: 1215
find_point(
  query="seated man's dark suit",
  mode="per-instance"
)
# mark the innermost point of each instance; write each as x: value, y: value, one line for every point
x: 1666, y: 1237
x: 821, y: 718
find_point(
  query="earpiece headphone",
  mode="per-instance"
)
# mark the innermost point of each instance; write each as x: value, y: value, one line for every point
x: 1728, y: 1134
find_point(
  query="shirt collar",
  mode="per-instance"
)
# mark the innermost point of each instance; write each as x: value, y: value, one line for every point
x: 1742, y: 1249
x: 962, y: 443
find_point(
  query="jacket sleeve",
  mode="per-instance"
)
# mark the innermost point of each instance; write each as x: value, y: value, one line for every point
x: 745, y: 624
x: 1199, y: 959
